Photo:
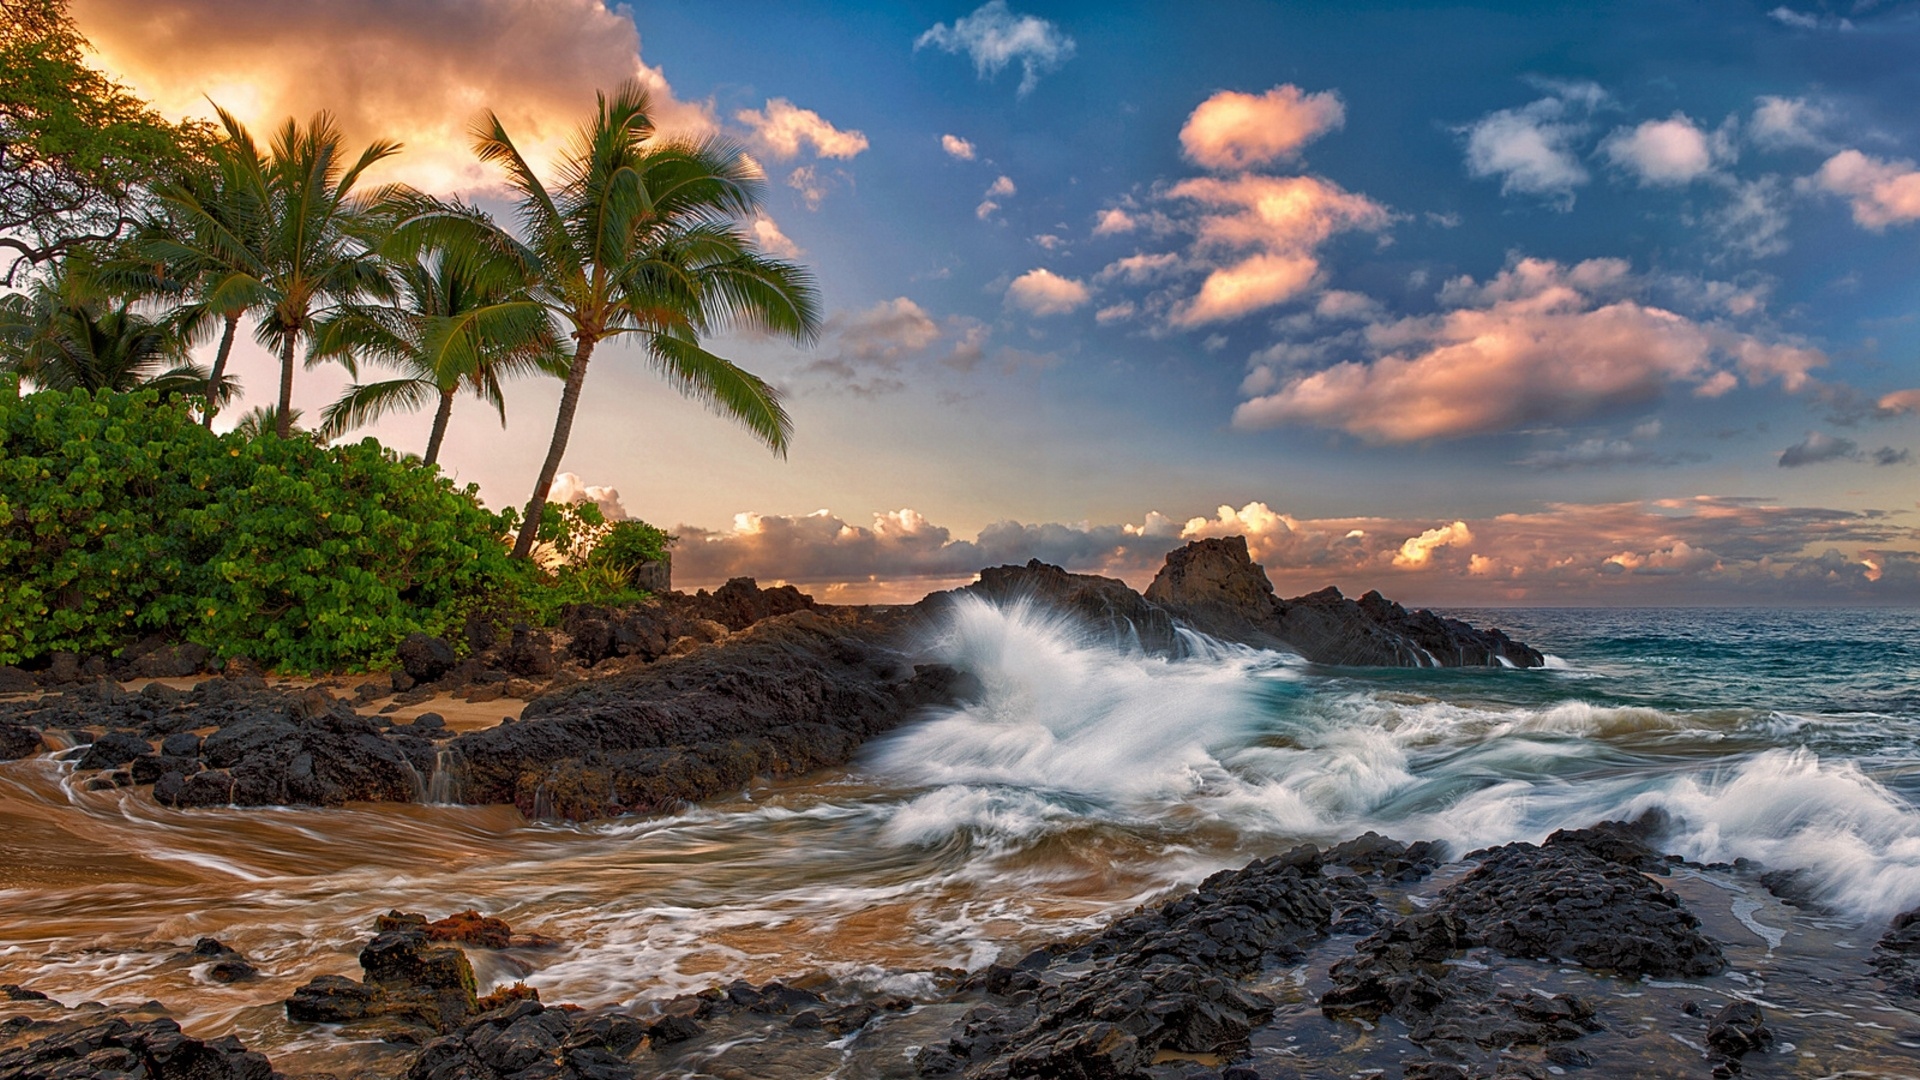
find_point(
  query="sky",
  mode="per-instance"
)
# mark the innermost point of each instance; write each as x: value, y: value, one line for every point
x: 1472, y: 304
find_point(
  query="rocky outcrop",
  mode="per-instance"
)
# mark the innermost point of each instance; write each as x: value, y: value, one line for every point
x: 1105, y: 606
x: 17, y: 742
x: 120, y: 1046
x: 1215, y: 587
x: 792, y: 693
x: 407, y: 979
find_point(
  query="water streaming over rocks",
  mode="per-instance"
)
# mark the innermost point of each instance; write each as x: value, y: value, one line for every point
x: 956, y: 899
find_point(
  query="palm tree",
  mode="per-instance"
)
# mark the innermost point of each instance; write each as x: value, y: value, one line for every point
x: 641, y: 236
x: 464, y: 319
x: 292, y: 237
x: 208, y: 242
x: 68, y: 332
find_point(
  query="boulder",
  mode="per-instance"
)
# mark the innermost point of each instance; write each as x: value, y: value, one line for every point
x: 1105, y: 606
x: 425, y: 658
x: 17, y: 742
x: 406, y: 979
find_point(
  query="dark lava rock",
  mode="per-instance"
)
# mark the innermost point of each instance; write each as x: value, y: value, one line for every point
x: 1162, y: 978
x: 15, y: 681
x: 424, y: 657
x: 224, y: 964
x: 152, y: 1049
x: 741, y: 602
x: 525, y: 1039
x: 114, y: 749
x: 17, y: 742
x: 1215, y: 587
x: 791, y: 693
x: 1105, y: 606
x: 1564, y: 902
x: 1896, y: 957
x: 1738, y: 1029
x: 305, y: 756
x: 406, y: 979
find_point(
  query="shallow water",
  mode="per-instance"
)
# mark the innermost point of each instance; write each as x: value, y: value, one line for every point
x: 1086, y: 781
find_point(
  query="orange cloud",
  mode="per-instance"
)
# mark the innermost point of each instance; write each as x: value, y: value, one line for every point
x: 1043, y: 292
x: 1261, y: 234
x: 1881, y: 193
x: 417, y: 72
x: 1698, y: 549
x: 784, y: 129
x: 1234, y: 131
x: 1540, y: 342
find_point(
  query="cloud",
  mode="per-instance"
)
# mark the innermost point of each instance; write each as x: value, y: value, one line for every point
x: 1113, y: 221
x: 1606, y: 453
x: 1881, y: 193
x: 1667, y: 152
x: 1043, y: 292
x: 1787, y: 123
x: 1139, y: 268
x: 1260, y: 235
x: 813, y: 184
x: 1541, y: 342
x: 1531, y: 148
x: 866, y: 352
x: 1686, y: 550
x: 784, y: 130
x: 1818, y: 448
x: 772, y: 240
x: 1000, y: 189
x: 1753, y: 221
x: 569, y: 488
x: 1887, y: 455
x: 417, y: 72
x: 957, y: 147
x: 1801, y: 20
x: 1233, y: 131
x: 993, y: 36
x: 1899, y: 402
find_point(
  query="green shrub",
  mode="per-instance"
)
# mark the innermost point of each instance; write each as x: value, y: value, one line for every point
x: 630, y: 543
x: 120, y: 515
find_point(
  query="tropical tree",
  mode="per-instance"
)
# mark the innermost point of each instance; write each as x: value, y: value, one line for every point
x: 206, y: 246
x: 78, y: 153
x: 306, y: 241
x: 464, y: 319
x: 68, y: 332
x: 641, y: 236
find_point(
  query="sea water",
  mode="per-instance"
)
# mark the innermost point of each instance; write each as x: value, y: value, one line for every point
x: 1087, y: 778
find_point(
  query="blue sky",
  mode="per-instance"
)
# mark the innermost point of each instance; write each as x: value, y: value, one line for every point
x: 1586, y: 303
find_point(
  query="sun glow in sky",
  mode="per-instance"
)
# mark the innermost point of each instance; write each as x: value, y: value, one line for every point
x: 1499, y: 304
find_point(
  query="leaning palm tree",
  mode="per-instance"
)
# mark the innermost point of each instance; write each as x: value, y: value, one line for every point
x: 68, y: 332
x: 464, y: 319
x: 641, y: 236
x: 300, y: 244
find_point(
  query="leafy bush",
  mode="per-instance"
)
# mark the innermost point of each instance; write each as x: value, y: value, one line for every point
x: 120, y: 515
x: 628, y: 544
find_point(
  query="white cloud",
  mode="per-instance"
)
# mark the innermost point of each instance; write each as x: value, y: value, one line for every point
x: 1114, y: 313
x: 957, y: 147
x: 813, y: 184
x: 568, y: 488
x: 1139, y: 268
x: 1753, y: 221
x: 1531, y: 148
x: 1784, y: 123
x: 1234, y: 131
x: 1043, y: 292
x: 993, y: 36
x: 1001, y: 187
x: 1540, y: 343
x: 1881, y: 193
x: 772, y: 241
x: 1661, y: 152
x: 1113, y: 221
x: 784, y: 130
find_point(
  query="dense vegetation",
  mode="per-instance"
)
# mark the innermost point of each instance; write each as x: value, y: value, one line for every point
x: 136, y: 242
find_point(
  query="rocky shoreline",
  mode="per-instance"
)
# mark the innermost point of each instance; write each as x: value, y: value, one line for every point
x: 1371, y: 957
x: 1592, y: 950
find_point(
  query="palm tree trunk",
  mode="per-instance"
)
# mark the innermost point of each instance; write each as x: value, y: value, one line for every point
x: 439, y: 427
x: 562, y: 428
x: 284, y: 426
x: 219, y: 368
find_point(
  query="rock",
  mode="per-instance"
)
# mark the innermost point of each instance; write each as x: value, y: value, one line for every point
x: 425, y: 658
x: 1087, y: 1052
x: 17, y: 742
x: 170, y: 662
x: 1738, y: 1029
x: 527, y: 1039
x: 530, y: 653
x: 405, y: 979
x: 114, y: 749
x: 224, y: 965
x: 63, y: 667
x: 305, y: 757
x: 15, y: 681
x: 471, y: 928
x: 791, y: 693
x: 1215, y: 587
x: 1107, y: 607
x: 152, y: 1049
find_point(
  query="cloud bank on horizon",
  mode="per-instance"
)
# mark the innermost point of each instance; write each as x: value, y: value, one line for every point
x: 1491, y: 327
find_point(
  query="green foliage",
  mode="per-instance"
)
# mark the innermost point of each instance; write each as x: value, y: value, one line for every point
x: 628, y: 544
x: 78, y: 153
x: 120, y: 515
x: 588, y: 583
